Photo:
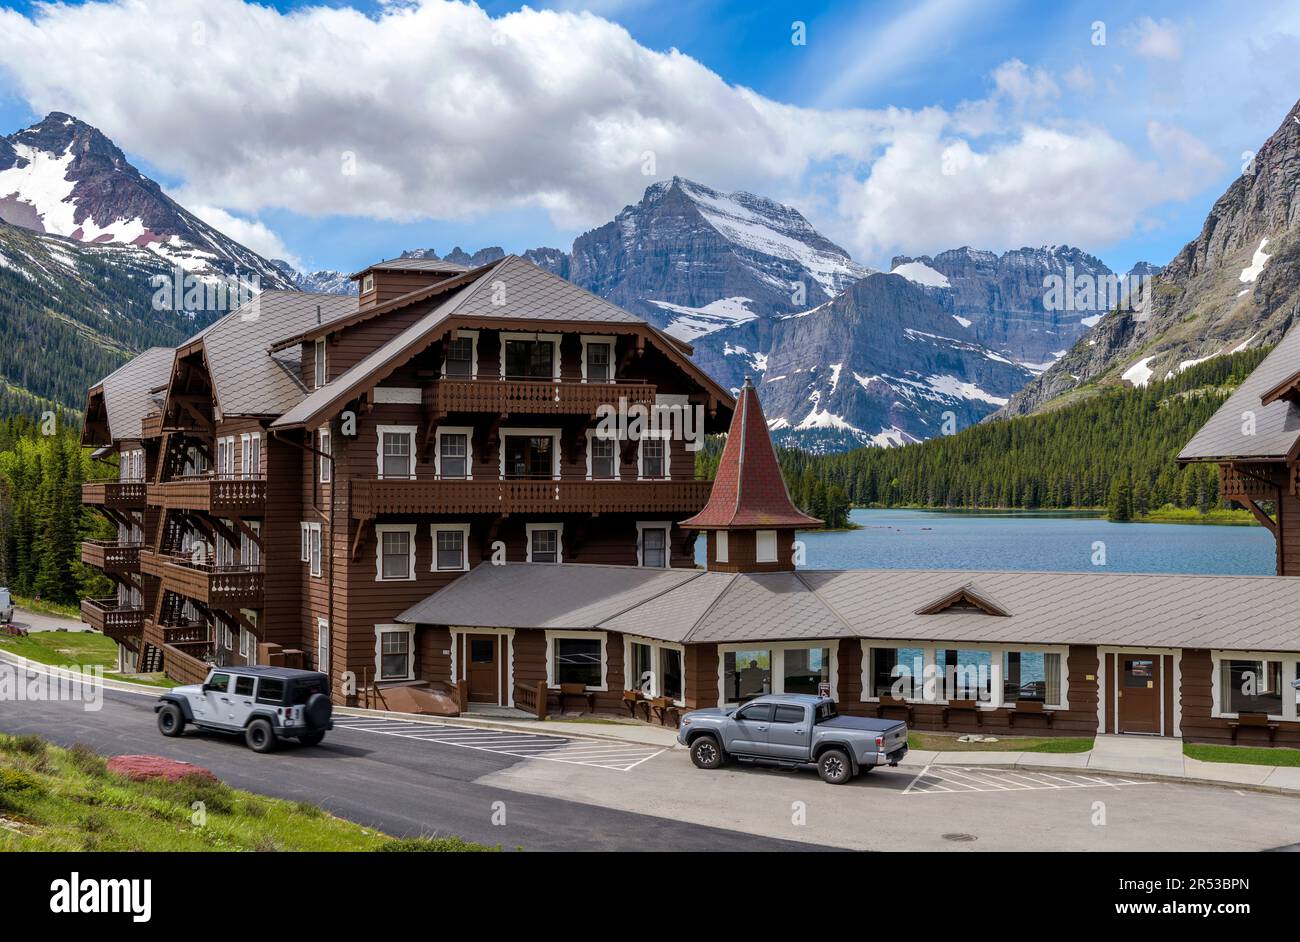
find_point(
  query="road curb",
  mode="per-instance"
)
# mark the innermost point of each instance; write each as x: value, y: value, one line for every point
x: 54, y: 670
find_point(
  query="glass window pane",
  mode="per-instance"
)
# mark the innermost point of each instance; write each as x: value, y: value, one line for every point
x: 451, y: 549
x: 453, y: 456
x: 968, y: 675
x: 897, y: 672
x: 545, y: 546
x: 460, y: 357
x: 654, y: 547
x: 598, y: 362
x: 670, y: 673
x: 397, y: 555
x: 806, y: 669
x: 788, y: 714
x: 577, y: 661
x: 747, y: 674
x: 758, y: 713
x: 640, y: 671
x: 652, y: 458
x: 1251, y: 687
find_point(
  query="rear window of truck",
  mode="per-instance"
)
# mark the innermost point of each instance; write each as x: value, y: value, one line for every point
x: 826, y: 711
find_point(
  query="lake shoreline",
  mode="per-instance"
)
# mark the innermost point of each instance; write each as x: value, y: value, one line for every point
x: 1214, y: 518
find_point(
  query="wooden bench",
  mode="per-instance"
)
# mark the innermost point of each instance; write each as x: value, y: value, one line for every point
x: 634, y: 700
x: 1253, y: 721
x: 1028, y: 708
x: 964, y: 706
x: 893, y: 703
x: 664, y: 710
x: 578, y: 690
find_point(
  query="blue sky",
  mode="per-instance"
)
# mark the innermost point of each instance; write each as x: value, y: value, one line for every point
x: 1044, y: 134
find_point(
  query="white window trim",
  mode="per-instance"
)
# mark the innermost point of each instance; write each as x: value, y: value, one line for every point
x: 407, y: 430
x: 930, y: 684
x: 762, y: 536
x: 666, y: 436
x: 315, y: 561
x: 1289, y: 708
x: 227, y: 637
x: 777, y: 650
x: 367, y: 284
x: 656, y: 687
x: 304, y: 542
x: 320, y: 364
x: 721, y: 546
x: 552, y: 635
x: 462, y: 528
x: 246, y: 469
x: 604, y: 339
x: 468, y: 432
x: 552, y: 338
x: 380, y: 530
x: 594, y: 433
x: 554, y: 434
x: 1108, y: 707
x: 507, y: 636
x: 380, y: 631
x: 226, y: 443
x: 665, y: 525
x: 247, y: 646
x: 473, y: 357
x: 325, y: 443
x: 529, y: 528
x: 323, y: 634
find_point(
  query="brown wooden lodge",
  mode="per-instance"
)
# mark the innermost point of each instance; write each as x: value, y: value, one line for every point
x: 421, y: 492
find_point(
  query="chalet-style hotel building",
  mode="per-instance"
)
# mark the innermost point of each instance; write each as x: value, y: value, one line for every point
x: 412, y: 490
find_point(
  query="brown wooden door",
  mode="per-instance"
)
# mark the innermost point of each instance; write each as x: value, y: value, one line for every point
x: 1139, y: 693
x: 481, y: 659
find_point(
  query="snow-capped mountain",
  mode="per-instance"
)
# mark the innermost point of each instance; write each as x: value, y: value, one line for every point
x: 63, y: 177
x: 326, y: 281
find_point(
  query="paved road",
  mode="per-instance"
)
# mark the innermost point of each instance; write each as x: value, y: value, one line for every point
x: 35, y: 621
x: 398, y: 785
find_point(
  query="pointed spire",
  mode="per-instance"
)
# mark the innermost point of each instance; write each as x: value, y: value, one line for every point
x: 749, y: 491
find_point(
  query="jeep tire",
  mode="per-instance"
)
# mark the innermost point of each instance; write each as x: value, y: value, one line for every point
x: 260, y: 735
x: 834, y: 767
x: 318, y: 711
x: 171, y: 721
x: 707, y: 754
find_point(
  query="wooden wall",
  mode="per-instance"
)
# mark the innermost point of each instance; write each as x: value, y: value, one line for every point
x: 1197, y: 705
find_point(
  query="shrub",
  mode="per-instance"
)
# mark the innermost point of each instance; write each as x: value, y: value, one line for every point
x: 24, y: 745
x: 436, y: 845
x: 87, y: 760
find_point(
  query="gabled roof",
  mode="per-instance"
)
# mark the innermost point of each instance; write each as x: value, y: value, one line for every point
x: 1275, y: 434
x: 1254, y: 613
x: 964, y: 599
x: 749, y: 490
x: 412, y: 264
x: 127, y: 391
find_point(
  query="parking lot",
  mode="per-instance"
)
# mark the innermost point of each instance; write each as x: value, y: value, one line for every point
x: 615, y: 756
x: 947, y: 779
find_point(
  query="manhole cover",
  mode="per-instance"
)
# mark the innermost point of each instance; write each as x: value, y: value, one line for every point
x: 960, y: 838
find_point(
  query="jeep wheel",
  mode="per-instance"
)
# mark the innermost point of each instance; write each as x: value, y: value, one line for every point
x: 260, y: 736
x: 834, y: 767
x: 312, y: 739
x: 707, y: 754
x: 171, y: 722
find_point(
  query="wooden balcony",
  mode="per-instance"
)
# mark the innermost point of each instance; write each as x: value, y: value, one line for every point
x: 531, y: 396
x: 105, y: 616
x: 151, y: 426
x: 230, y: 495
x: 371, y: 498
x: 114, y: 495
x: 111, y: 556
x: 1236, y: 484
x: 223, y: 587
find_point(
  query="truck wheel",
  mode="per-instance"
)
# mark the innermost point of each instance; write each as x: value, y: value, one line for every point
x: 260, y: 736
x: 707, y: 754
x: 171, y: 722
x: 312, y: 739
x: 834, y: 767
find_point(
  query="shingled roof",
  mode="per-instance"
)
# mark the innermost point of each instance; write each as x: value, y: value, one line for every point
x: 1251, y: 613
x: 127, y: 391
x: 1275, y: 433
x: 748, y: 490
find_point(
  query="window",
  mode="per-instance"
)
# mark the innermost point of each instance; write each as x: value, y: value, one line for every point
x: 670, y: 673
x: 758, y: 713
x: 367, y: 284
x: 395, y: 545
x: 1250, y: 686
x: 765, y: 546
x: 326, y: 463
x: 322, y: 646
x: 654, y: 463
x: 319, y: 364
x: 722, y: 548
x: 246, y: 644
x: 747, y: 674
x: 577, y: 661
x: 788, y: 714
x: 453, y: 458
x: 250, y: 446
x: 641, y: 669
x: 225, y: 456
x: 746, y: 671
x: 304, y: 541
x: 396, y: 451
x: 314, y: 548
x: 270, y: 690
x: 655, y: 668
x: 1031, y: 675
x: 227, y: 638
x: 532, y: 455
x: 652, y: 545
x: 530, y: 359
x: 461, y: 355
x: 395, y: 654
x: 250, y: 550
x: 897, y: 672
x: 968, y: 674
x: 602, y: 458
x: 806, y: 669
x: 450, y: 547
x: 597, y: 360
x: 219, y: 682
x: 244, y: 686
x: 544, y: 544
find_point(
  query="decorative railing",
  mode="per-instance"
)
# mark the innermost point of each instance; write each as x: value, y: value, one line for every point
x: 212, y: 493
x: 111, y: 555
x: 371, y: 498
x: 501, y: 396
x: 1236, y: 484
x: 106, y: 616
x: 119, y: 494
x: 189, y: 634
x: 225, y: 587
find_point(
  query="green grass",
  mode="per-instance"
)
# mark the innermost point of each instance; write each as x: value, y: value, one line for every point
x: 77, y: 649
x: 942, y: 742
x: 1220, y: 516
x: 48, y: 608
x: 54, y: 799
x: 1246, y: 755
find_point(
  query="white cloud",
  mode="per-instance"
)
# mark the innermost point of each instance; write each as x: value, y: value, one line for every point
x: 1021, y: 84
x: 1157, y: 39
x: 252, y: 233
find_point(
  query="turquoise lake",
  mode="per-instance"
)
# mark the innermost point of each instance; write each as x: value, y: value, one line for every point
x: 918, y: 539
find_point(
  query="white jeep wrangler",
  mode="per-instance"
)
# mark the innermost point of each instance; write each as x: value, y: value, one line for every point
x: 265, y: 704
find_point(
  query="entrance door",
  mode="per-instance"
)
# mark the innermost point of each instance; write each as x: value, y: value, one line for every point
x: 482, y: 668
x: 1139, y: 694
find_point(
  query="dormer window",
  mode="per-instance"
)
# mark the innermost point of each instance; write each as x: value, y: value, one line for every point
x: 367, y: 284
x: 461, y: 356
x: 319, y: 363
x: 597, y: 359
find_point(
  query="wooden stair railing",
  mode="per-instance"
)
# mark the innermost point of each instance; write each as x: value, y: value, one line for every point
x: 531, y: 698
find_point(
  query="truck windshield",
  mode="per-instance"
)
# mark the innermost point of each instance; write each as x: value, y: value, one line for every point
x: 826, y: 711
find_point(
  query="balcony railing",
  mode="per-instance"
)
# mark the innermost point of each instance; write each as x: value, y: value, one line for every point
x: 371, y: 498
x: 111, y: 556
x: 213, y: 493
x: 151, y: 425
x: 106, y: 616
x: 540, y: 396
x: 224, y: 587
x: 121, y: 495
x: 1235, y: 484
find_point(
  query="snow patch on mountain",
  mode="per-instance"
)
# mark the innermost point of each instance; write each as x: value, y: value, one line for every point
x: 923, y: 274
x: 1139, y: 374
x: 1257, y: 263
x: 693, y: 322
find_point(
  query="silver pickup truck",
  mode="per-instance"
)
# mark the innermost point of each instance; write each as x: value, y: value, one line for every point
x: 793, y: 730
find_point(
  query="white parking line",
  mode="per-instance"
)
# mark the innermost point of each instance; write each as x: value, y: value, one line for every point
x: 960, y: 779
